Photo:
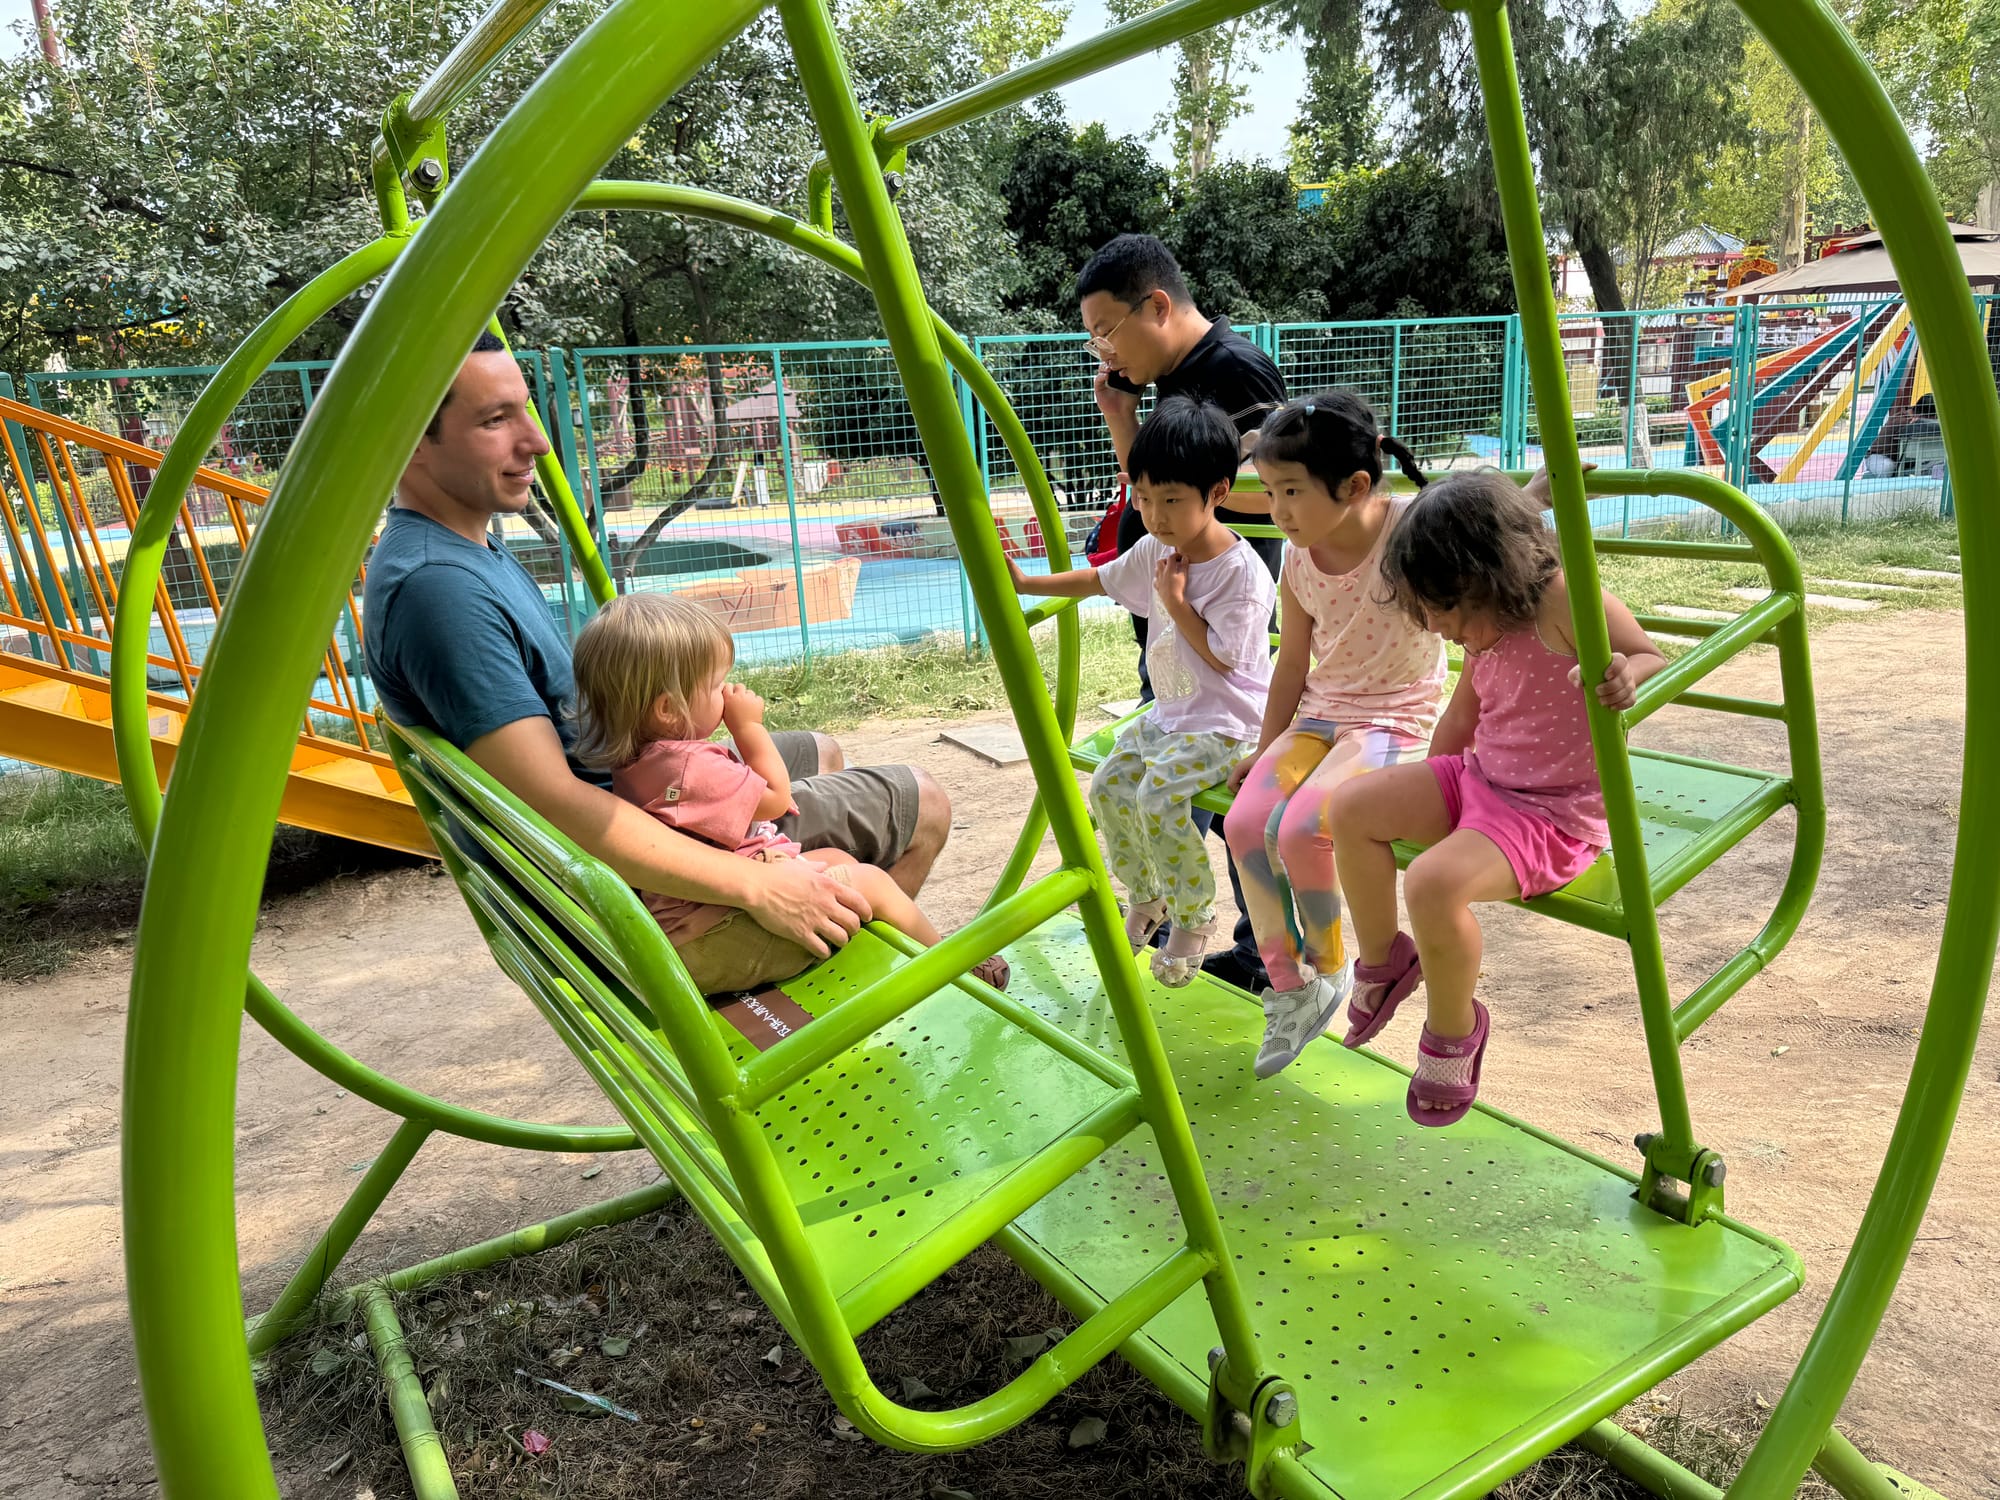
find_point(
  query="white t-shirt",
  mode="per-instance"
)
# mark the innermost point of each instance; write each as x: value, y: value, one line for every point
x: 1233, y: 594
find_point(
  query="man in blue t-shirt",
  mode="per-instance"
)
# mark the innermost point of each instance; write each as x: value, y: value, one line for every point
x: 462, y: 641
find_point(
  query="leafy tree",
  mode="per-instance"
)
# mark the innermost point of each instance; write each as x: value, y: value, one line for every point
x: 1209, y: 86
x: 1409, y: 240
x: 1339, y: 123
x: 1614, y: 111
x: 1940, y: 60
x: 1246, y: 248
x: 1066, y: 193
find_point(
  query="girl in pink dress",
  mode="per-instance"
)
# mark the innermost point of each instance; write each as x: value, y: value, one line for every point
x: 1509, y: 802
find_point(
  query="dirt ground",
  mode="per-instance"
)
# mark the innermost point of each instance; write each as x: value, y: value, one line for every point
x: 1796, y: 1082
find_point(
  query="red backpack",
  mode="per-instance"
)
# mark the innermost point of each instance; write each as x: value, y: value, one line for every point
x: 1107, y: 531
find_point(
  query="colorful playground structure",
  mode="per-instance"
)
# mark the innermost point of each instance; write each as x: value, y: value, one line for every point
x: 1869, y: 369
x: 1562, y: 1284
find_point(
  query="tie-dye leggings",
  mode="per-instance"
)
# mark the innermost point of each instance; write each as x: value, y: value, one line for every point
x: 1140, y: 796
x: 1279, y: 825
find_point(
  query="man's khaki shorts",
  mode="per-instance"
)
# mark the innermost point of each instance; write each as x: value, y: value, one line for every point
x: 738, y: 954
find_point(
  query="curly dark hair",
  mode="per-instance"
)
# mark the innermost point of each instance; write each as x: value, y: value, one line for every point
x: 1472, y: 540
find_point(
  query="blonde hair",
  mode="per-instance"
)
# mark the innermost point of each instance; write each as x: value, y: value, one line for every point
x: 636, y: 650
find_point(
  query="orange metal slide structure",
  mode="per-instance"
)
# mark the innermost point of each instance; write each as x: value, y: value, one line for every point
x: 69, y: 496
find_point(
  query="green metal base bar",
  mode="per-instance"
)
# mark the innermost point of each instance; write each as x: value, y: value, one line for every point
x: 530, y: 1239
x: 423, y: 1450
x: 1644, y: 1464
x: 303, y: 1290
x: 1842, y: 1465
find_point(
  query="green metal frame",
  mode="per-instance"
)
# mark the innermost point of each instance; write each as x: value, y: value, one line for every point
x: 665, y: 1067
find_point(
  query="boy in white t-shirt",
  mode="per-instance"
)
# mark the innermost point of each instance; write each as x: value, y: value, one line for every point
x: 1209, y: 599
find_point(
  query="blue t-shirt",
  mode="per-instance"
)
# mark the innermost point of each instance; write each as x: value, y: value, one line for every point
x: 460, y: 638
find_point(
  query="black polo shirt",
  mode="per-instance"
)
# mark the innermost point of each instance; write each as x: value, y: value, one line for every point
x: 1226, y: 368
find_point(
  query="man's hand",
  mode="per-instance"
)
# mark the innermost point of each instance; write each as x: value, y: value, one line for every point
x: 740, y: 706
x: 1170, y: 582
x: 1620, y: 688
x: 1110, y: 400
x: 796, y: 900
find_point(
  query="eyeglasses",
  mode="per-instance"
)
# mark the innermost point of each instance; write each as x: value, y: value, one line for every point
x: 1100, y: 343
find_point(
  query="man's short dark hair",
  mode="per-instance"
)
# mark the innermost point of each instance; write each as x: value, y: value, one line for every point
x: 487, y: 343
x: 1131, y: 268
x: 1186, y: 441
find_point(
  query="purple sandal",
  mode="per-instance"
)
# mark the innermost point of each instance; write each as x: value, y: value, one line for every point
x: 1459, y: 1060
x: 1387, y: 985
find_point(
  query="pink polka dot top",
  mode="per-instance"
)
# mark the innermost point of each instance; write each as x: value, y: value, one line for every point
x: 1372, y: 664
x: 1532, y: 743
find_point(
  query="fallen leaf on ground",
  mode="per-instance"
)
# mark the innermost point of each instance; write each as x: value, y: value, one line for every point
x: 1088, y: 1433
x: 535, y: 1442
x: 615, y: 1348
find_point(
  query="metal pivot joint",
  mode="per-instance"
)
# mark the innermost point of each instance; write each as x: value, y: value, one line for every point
x: 1668, y: 1170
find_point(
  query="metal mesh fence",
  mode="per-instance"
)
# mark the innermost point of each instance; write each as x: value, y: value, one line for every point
x: 783, y: 486
x: 1444, y: 386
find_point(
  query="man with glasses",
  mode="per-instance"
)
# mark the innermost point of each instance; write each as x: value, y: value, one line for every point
x: 1146, y: 331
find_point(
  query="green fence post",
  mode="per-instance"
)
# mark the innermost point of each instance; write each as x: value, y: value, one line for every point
x: 791, y: 497
x: 590, y: 457
x: 1396, y: 378
x: 975, y: 423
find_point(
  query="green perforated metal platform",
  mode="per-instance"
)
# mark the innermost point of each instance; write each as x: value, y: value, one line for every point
x: 1448, y: 1304
x: 1691, y: 812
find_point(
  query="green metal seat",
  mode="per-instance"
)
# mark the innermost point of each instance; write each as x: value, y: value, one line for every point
x: 852, y: 1162
x: 1692, y: 811
x: 1446, y: 1304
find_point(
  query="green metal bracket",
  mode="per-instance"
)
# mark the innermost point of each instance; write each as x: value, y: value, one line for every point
x: 1669, y: 1168
x: 416, y: 151
x: 1256, y: 1433
x: 1275, y: 1433
x: 892, y: 157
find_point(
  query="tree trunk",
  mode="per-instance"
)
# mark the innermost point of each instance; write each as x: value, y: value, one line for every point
x: 714, y: 465
x: 1602, y: 271
x: 1792, y: 216
x: 45, y: 28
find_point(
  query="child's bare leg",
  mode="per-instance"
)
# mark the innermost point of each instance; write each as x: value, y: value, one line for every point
x: 892, y: 903
x: 1440, y: 888
x: 1369, y: 814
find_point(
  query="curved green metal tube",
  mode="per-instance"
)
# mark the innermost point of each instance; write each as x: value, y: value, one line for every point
x: 215, y: 829
x: 138, y: 585
x: 130, y: 638
x: 1813, y: 45
x: 1781, y: 565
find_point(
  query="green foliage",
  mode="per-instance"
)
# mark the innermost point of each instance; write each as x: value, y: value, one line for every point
x: 1398, y: 241
x: 1062, y: 189
x: 1209, y: 81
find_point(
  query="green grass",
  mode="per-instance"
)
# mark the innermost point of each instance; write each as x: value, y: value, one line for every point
x: 1854, y: 554
x: 67, y: 859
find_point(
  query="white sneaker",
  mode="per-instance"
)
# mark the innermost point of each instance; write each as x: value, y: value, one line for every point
x: 1293, y: 1018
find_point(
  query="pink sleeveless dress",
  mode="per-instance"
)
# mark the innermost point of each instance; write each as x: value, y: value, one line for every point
x: 1529, y: 782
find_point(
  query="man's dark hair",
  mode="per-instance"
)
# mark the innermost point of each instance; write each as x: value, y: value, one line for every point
x: 1186, y: 441
x: 486, y: 343
x: 1130, y: 269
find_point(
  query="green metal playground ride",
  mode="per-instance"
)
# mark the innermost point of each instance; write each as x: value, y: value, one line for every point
x: 1266, y: 1253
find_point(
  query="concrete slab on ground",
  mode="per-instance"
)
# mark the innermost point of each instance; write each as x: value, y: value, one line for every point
x: 1825, y: 601
x: 1000, y: 744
